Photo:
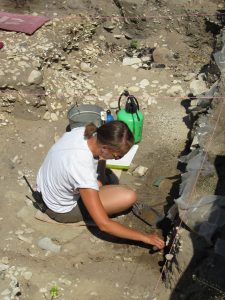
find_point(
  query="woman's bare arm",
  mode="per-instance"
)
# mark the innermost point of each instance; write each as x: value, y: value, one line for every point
x: 95, y: 208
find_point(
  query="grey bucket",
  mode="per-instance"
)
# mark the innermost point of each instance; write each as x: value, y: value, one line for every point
x: 81, y: 115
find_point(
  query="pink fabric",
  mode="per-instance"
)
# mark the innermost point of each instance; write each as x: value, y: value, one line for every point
x: 23, y: 23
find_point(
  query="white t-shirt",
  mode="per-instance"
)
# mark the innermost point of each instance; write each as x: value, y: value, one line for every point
x: 68, y: 166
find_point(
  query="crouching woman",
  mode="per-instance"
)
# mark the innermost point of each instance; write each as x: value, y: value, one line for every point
x: 69, y: 185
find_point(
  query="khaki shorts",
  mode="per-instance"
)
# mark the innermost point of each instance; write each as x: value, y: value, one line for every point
x: 77, y: 214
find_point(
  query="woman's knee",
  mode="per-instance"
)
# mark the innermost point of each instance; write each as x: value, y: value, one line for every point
x: 131, y: 196
x: 117, y: 194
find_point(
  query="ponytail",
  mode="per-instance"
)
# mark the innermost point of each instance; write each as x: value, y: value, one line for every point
x: 90, y: 130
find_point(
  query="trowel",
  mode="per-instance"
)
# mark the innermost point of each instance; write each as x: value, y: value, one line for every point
x: 147, y: 214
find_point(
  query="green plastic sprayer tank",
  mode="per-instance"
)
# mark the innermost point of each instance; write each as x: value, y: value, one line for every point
x: 131, y: 115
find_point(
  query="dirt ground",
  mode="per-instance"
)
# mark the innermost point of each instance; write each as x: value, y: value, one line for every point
x: 89, y: 264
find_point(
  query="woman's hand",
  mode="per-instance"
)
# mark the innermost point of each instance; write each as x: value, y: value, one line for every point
x: 155, y: 240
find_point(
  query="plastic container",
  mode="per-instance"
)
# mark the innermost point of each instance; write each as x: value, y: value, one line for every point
x: 131, y: 115
x: 109, y: 116
x: 133, y: 121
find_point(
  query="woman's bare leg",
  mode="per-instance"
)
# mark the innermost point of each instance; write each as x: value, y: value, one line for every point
x: 116, y: 198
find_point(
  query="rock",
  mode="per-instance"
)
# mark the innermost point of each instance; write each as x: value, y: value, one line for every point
x: 134, y: 89
x: 162, y: 56
x: 145, y: 66
x: 135, y: 66
x: 27, y: 275
x: 3, y: 267
x: 43, y: 290
x: 54, y: 117
x: 16, y: 291
x: 47, y: 244
x: 127, y: 259
x: 85, y: 67
x: 47, y: 116
x: 118, y: 36
x: 175, y: 90
x: 29, y: 230
x: 108, y: 26
x: 140, y: 171
x: 198, y: 86
x: 128, y: 36
x: 35, y: 77
x: 101, y: 38
x: 60, y: 94
x: 195, y: 143
x: 129, y: 61
x: 5, y: 260
x: 6, y: 292
x: 169, y: 256
x: 151, y: 100
x: 220, y: 6
x: 189, y: 76
x: 25, y: 239
x: 65, y: 281
x: 146, y: 58
x: 202, y: 76
x: 194, y: 102
x: 23, y: 64
x: 164, y: 87
x: 15, y: 159
x: 144, y: 83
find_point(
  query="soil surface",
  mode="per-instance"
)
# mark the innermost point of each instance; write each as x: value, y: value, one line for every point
x: 81, y: 56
